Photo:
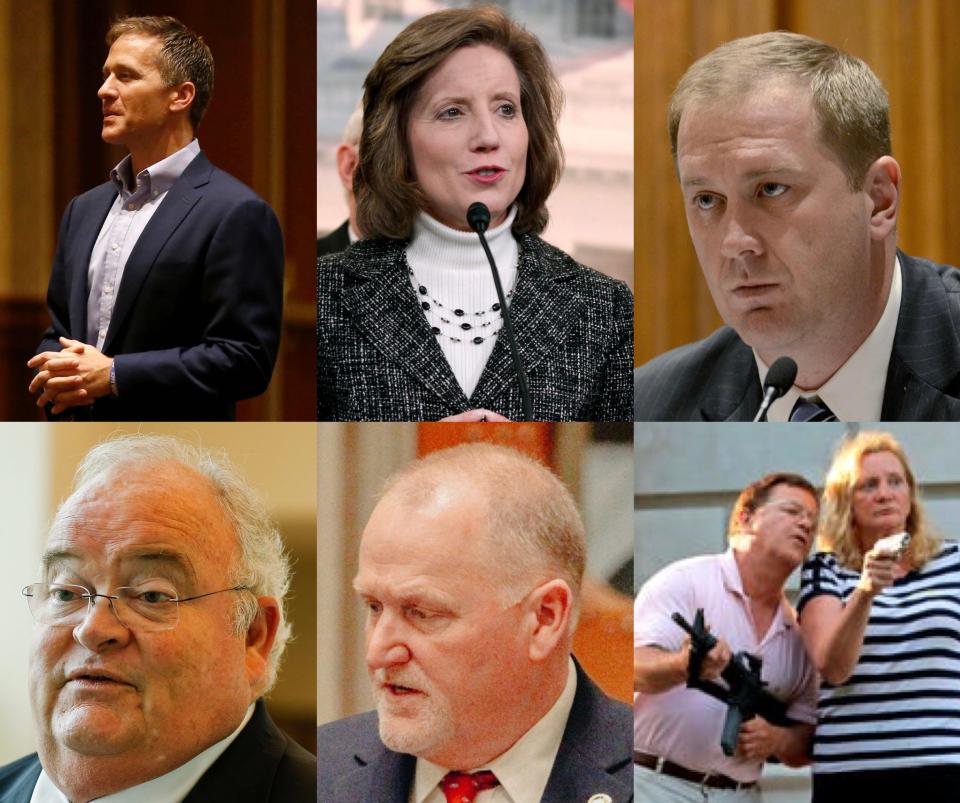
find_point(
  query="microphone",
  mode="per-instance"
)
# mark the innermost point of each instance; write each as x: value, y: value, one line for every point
x: 478, y: 218
x: 779, y: 380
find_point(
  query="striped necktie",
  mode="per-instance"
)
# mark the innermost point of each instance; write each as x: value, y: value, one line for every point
x: 809, y: 411
x: 463, y: 787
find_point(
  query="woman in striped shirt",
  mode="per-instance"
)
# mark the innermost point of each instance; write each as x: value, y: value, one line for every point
x: 882, y: 624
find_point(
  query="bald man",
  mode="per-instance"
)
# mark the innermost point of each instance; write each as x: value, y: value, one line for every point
x: 470, y: 570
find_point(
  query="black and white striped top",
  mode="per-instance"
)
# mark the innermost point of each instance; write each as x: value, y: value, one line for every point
x: 901, y: 706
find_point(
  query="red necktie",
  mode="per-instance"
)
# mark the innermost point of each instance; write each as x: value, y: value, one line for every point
x: 463, y: 787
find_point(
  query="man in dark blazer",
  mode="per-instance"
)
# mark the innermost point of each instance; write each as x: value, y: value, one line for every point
x: 782, y: 147
x: 347, y: 157
x: 470, y: 569
x: 165, y: 297
x: 262, y: 765
x: 716, y: 379
x: 157, y: 689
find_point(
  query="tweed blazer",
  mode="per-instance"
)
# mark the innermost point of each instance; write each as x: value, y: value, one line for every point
x: 716, y: 379
x: 377, y: 359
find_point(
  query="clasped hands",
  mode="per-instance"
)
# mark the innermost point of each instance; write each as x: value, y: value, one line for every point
x: 73, y: 377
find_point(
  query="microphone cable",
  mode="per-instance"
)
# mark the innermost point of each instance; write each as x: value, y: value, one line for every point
x: 478, y: 218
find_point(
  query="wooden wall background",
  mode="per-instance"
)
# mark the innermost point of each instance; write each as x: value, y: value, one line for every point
x: 260, y: 127
x: 912, y: 47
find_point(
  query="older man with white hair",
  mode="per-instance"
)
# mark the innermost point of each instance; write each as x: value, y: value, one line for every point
x: 159, y: 627
x: 470, y: 570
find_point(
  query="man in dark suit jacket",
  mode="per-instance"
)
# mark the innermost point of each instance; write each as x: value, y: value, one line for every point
x: 262, y: 765
x: 348, y: 155
x: 716, y: 379
x: 358, y: 768
x: 782, y: 147
x: 165, y: 297
x: 470, y: 569
x: 159, y: 688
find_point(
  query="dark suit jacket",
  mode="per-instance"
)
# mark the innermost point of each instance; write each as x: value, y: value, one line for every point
x: 262, y: 765
x: 196, y: 325
x: 336, y: 241
x: 379, y: 361
x: 716, y: 379
x: 595, y: 756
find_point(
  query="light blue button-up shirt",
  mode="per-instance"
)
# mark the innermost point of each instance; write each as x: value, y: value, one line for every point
x: 136, y: 202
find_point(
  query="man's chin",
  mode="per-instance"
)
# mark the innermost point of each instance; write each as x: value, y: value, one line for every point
x: 404, y: 735
x: 112, y: 135
x: 96, y: 730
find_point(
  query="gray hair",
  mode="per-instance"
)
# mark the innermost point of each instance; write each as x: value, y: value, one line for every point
x: 849, y: 101
x: 533, y: 524
x: 354, y: 128
x: 263, y: 565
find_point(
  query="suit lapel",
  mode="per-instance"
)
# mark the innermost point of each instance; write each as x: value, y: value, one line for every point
x: 907, y: 398
x: 542, y: 316
x: 735, y: 392
x: 387, y: 778
x: 180, y: 199
x: 596, y: 747
x: 88, y: 227
x: 382, y: 305
x: 21, y: 790
x: 925, y: 360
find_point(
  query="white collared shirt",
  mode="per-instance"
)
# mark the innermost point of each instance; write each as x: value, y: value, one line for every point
x: 170, y: 788
x: 523, y: 771
x: 855, y: 391
x: 138, y: 199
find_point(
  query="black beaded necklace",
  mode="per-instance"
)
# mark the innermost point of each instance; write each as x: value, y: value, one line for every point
x: 462, y: 325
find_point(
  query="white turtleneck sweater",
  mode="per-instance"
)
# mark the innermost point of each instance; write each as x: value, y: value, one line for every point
x: 452, y: 267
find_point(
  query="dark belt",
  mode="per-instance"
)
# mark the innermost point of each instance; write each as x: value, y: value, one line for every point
x: 712, y: 780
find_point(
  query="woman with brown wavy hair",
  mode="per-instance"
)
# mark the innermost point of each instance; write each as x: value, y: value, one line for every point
x: 462, y: 107
x: 881, y: 620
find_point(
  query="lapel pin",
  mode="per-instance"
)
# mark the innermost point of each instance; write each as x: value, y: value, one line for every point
x: 601, y: 798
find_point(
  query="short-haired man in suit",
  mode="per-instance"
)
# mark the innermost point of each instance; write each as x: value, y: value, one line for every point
x: 159, y: 625
x: 165, y: 297
x: 348, y: 156
x: 470, y: 569
x: 782, y: 147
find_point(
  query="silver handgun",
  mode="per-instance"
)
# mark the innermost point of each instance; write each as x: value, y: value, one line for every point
x: 896, y: 543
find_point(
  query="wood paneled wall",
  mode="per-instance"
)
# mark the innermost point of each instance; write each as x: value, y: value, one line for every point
x: 912, y: 47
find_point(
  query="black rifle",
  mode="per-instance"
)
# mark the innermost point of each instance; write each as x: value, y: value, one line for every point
x: 744, y: 694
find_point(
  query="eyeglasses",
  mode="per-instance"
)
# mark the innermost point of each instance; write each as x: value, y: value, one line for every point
x: 794, y: 511
x: 145, y: 608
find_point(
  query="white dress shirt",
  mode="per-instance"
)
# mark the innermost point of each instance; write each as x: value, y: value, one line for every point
x: 523, y: 771
x: 170, y: 788
x: 138, y: 198
x: 855, y: 391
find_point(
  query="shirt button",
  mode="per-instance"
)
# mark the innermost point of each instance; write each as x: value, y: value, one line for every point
x: 130, y: 207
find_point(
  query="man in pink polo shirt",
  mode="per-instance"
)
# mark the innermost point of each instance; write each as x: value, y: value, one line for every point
x: 677, y: 752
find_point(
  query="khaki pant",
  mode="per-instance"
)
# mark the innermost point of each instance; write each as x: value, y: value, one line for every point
x: 654, y: 787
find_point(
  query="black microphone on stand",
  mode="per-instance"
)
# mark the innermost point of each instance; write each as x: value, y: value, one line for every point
x: 779, y: 380
x: 478, y: 218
